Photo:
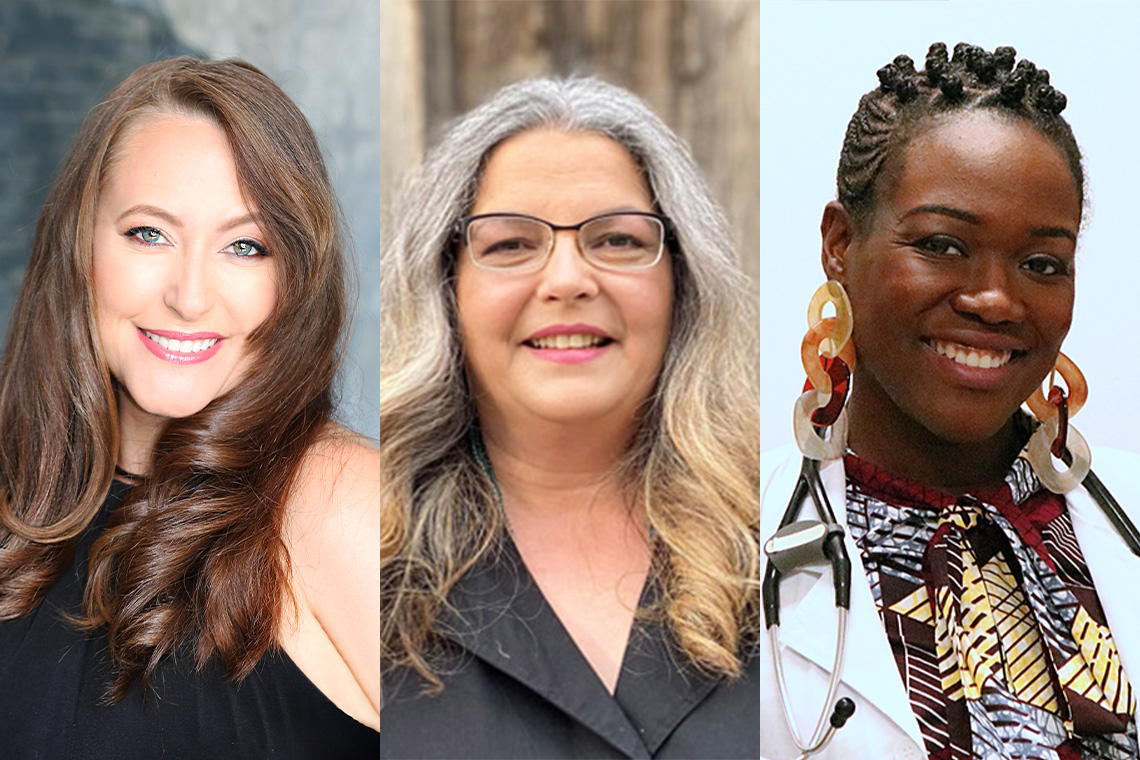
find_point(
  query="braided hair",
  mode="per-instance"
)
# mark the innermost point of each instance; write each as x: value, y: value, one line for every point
x: 906, y: 101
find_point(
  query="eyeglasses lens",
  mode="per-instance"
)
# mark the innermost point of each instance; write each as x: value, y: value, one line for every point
x: 508, y: 242
x: 622, y: 241
x: 616, y: 241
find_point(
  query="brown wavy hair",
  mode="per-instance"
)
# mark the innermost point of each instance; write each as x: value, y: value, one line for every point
x: 192, y: 561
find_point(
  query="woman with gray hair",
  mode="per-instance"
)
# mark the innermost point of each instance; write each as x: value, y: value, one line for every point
x: 569, y: 551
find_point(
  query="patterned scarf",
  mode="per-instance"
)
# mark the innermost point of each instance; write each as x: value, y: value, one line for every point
x: 997, y: 630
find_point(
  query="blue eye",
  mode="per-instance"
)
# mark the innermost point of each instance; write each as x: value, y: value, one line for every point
x: 246, y: 247
x: 146, y: 235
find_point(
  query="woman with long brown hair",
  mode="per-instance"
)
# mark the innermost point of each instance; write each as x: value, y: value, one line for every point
x: 188, y: 543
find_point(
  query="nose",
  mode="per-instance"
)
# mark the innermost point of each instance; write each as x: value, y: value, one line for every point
x: 991, y: 294
x: 567, y: 276
x: 189, y: 288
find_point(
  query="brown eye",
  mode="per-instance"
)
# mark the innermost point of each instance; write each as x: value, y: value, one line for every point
x: 1046, y: 265
x: 940, y: 245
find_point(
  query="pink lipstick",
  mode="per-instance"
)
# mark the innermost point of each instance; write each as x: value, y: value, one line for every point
x: 179, y: 347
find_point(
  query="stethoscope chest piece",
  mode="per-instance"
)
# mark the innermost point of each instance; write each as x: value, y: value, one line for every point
x: 800, y: 544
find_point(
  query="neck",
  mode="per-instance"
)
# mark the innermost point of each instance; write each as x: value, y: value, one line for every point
x: 138, y: 432
x: 901, y: 445
x: 554, y: 466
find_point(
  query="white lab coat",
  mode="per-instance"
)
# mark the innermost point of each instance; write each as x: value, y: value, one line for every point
x: 883, y: 726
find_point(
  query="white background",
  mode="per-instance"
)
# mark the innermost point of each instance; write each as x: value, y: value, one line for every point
x: 818, y: 58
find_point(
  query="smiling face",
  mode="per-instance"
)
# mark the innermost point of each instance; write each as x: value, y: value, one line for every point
x: 568, y: 343
x: 181, y: 270
x: 962, y: 285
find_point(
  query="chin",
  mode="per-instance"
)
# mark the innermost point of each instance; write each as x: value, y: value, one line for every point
x: 170, y: 405
x: 968, y: 430
x: 578, y: 410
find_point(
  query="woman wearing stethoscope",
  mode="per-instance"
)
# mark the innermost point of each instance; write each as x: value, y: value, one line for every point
x: 989, y: 575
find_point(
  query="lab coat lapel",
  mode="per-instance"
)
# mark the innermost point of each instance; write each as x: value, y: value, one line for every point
x: 808, y: 627
x: 1115, y: 571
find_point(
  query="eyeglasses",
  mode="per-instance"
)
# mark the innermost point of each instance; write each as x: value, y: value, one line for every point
x: 621, y: 242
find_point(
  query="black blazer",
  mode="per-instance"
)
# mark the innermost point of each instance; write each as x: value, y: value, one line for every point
x: 518, y: 687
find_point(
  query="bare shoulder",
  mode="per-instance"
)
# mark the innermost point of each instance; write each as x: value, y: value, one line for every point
x: 332, y: 525
x: 332, y: 536
x: 340, y: 478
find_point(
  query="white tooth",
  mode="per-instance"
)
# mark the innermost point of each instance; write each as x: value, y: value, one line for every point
x: 973, y: 357
x: 196, y: 347
x: 163, y: 341
x: 562, y: 342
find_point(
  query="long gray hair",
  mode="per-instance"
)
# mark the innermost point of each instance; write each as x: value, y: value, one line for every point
x: 694, y: 458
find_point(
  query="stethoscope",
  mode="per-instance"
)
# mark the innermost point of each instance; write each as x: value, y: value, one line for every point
x: 798, y: 544
x: 802, y: 543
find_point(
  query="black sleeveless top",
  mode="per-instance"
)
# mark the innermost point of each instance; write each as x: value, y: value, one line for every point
x: 53, y: 679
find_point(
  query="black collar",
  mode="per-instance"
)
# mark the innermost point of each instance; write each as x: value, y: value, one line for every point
x: 500, y: 616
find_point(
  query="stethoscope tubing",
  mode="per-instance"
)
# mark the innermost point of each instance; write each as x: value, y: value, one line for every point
x: 810, y: 485
x: 824, y: 729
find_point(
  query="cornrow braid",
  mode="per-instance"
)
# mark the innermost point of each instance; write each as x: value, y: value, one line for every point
x: 907, y: 100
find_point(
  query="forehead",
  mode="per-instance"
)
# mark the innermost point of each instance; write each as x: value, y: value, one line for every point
x: 981, y: 160
x: 561, y: 176
x: 181, y: 163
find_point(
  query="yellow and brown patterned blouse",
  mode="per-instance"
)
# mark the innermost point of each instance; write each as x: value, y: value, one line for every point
x: 990, y: 610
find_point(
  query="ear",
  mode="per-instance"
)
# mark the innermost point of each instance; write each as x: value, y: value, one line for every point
x: 837, y: 231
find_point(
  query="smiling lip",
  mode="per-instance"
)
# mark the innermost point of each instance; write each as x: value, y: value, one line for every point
x: 974, y: 357
x: 181, y: 348
x: 569, y: 344
x: 974, y: 366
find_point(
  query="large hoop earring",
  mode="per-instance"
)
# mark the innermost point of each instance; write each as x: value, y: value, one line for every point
x: 828, y: 356
x: 1054, y: 437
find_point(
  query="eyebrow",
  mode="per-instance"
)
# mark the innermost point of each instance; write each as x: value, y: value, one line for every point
x: 966, y: 216
x: 1050, y: 232
x: 175, y: 221
x: 950, y: 211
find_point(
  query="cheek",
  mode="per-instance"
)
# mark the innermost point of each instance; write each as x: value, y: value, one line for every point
x: 1059, y: 316
x: 489, y: 305
x: 651, y: 309
x: 261, y: 308
x: 119, y: 289
x: 479, y: 320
